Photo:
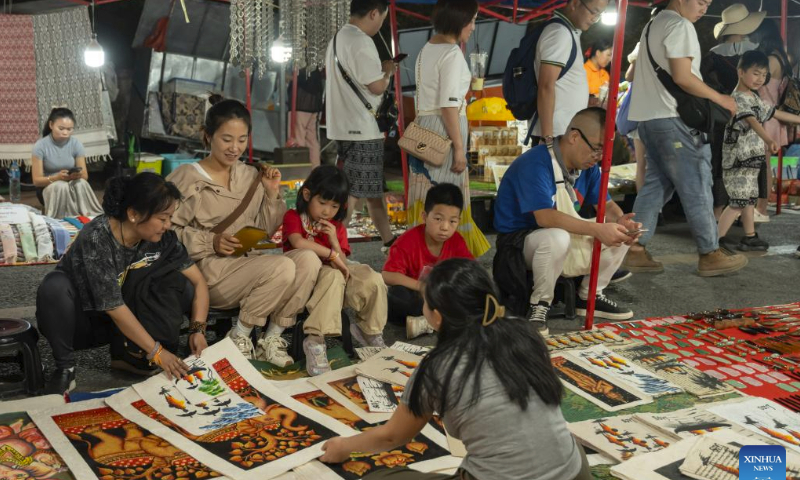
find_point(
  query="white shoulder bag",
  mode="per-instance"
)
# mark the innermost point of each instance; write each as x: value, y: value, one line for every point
x: 579, y: 257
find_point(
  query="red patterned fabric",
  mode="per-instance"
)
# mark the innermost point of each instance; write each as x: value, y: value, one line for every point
x: 19, y: 114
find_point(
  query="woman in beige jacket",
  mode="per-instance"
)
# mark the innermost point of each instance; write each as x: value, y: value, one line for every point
x: 259, y: 285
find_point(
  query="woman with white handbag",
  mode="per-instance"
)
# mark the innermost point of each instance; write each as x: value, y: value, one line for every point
x: 437, y: 139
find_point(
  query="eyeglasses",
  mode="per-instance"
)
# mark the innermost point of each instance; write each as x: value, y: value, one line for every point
x: 595, y: 15
x: 597, y: 152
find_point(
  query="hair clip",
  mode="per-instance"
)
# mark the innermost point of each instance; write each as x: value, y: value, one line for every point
x: 499, y: 310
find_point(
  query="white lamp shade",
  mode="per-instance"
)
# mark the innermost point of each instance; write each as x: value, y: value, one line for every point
x: 94, y: 56
x: 609, y: 18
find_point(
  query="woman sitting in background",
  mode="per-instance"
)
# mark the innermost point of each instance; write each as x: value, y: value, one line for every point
x: 59, y: 170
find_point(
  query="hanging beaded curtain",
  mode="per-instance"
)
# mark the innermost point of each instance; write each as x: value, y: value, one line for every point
x: 306, y: 26
x: 252, y: 34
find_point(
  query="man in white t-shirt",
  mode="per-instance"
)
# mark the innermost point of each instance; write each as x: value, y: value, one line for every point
x: 675, y: 162
x: 349, y: 122
x: 559, y: 99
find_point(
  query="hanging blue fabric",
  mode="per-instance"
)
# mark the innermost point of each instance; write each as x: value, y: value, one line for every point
x: 625, y: 126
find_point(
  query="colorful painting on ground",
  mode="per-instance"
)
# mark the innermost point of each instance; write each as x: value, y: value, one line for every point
x: 620, y: 438
x: 25, y: 453
x: 764, y: 417
x: 98, y: 443
x: 594, y: 387
x: 288, y: 434
x: 668, y: 366
x: 392, y: 366
x: 615, y: 366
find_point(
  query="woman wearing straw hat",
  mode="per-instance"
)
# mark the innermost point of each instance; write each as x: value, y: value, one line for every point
x: 719, y: 72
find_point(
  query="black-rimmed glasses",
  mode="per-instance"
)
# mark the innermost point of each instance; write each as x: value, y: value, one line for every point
x: 596, y: 151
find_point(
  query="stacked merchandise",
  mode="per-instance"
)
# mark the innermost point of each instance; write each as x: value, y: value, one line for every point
x: 493, y: 146
x: 28, y: 238
x: 754, y: 350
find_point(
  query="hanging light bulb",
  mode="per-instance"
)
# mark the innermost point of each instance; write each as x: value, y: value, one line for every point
x: 280, y: 52
x: 94, y: 56
x: 609, y: 17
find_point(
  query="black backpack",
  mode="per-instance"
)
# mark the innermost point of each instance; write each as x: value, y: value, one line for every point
x: 520, y: 86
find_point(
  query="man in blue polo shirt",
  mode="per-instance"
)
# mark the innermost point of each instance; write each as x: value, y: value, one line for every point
x: 528, y: 223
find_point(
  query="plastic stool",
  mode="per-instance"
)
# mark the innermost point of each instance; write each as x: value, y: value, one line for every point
x: 18, y: 337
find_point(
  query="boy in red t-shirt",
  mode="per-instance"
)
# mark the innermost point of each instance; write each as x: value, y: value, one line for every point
x: 418, y: 250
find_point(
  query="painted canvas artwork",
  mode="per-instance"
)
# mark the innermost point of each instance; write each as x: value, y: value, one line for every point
x: 342, y: 386
x: 200, y: 384
x: 393, y: 366
x: 98, y: 443
x: 592, y: 386
x: 620, y: 438
x: 288, y: 434
x: 764, y: 417
x: 600, y: 359
x: 686, y: 423
x: 199, y: 402
x: 418, y: 451
x: 25, y: 453
x: 661, y: 465
x: 323, y: 403
x: 380, y: 396
x: 668, y: 366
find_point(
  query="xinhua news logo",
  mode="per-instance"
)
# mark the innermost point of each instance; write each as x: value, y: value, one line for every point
x: 762, y: 462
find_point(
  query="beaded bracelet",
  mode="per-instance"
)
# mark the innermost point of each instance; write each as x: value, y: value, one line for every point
x: 155, y: 356
x: 197, y: 327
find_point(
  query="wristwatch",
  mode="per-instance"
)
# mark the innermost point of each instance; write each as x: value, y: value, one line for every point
x: 548, y: 139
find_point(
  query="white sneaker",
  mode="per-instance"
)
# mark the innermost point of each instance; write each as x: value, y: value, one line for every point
x: 366, y: 340
x: 316, y: 357
x: 272, y: 349
x: 759, y: 217
x: 244, y: 344
x: 417, y: 326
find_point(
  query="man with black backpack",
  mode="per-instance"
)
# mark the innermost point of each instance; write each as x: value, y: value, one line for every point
x: 673, y: 105
x: 550, y: 94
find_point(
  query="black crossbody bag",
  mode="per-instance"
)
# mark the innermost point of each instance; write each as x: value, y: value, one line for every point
x: 387, y: 112
x: 697, y: 113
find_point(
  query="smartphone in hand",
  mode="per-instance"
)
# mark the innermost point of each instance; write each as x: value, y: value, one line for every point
x: 400, y: 57
x: 74, y: 170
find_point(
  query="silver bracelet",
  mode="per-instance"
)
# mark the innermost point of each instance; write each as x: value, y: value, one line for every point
x: 153, y: 353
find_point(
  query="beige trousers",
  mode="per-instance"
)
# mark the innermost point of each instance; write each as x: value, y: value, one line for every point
x: 305, y: 135
x: 364, y: 292
x: 265, y: 285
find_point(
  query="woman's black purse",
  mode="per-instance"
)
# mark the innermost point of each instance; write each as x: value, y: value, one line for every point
x: 697, y: 113
x: 387, y: 112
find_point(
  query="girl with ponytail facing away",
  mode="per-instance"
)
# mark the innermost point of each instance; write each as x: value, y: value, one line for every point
x: 490, y: 379
x: 122, y: 281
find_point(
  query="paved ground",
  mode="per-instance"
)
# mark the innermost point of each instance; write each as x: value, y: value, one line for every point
x: 769, y: 279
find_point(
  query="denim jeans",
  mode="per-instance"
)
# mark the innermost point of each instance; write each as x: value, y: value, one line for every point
x: 676, y: 163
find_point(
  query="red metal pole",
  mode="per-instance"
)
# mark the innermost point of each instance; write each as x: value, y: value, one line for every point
x: 249, y: 109
x: 516, y: 9
x: 608, y: 147
x: 543, y: 10
x: 293, y: 116
x: 412, y: 14
x: 398, y: 92
x: 490, y: 13
x: 779, y: 178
